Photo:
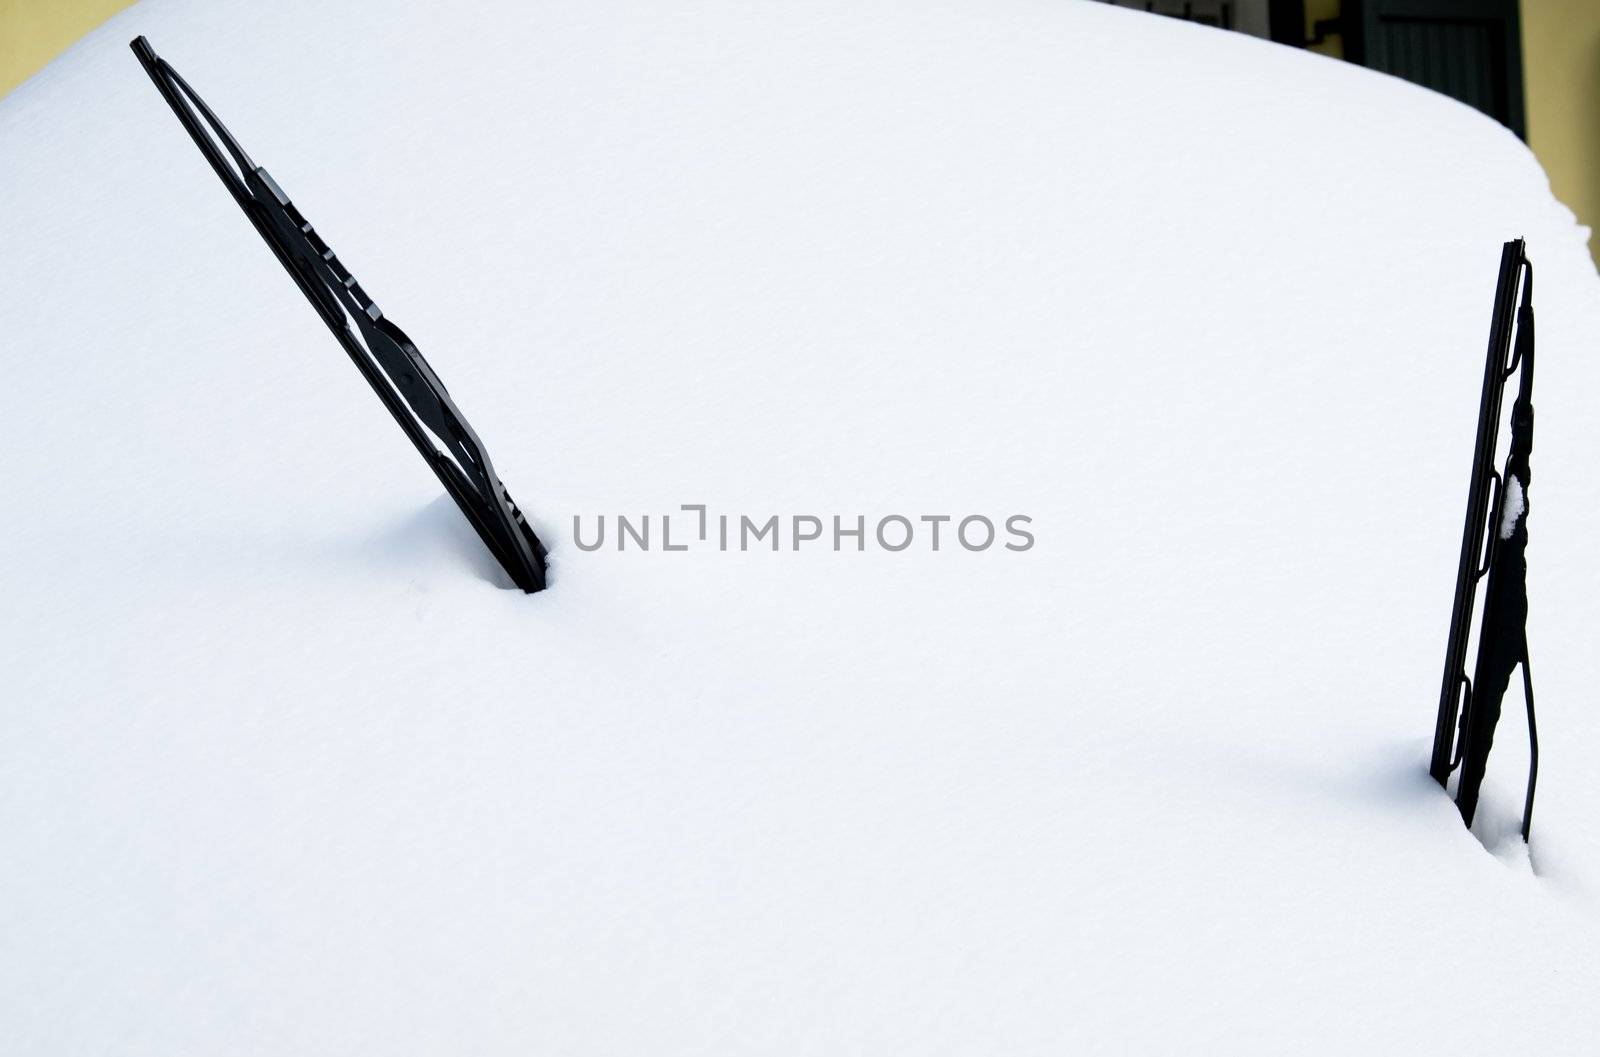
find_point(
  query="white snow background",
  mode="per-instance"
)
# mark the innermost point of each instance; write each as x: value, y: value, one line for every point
x: 284, y: 769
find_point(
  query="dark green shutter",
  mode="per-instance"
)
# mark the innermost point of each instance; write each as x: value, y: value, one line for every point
x: 1470, y: 50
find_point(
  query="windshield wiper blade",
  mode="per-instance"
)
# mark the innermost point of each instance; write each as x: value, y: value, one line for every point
x: 1493, y: 549
x: 380, y: 350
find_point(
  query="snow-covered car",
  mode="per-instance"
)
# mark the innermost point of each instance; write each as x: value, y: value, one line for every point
x: 1193, y: 322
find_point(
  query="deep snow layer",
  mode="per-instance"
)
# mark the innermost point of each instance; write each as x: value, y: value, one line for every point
x: 283, y: 769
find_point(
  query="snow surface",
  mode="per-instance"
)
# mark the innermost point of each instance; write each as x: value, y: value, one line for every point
x: 1511, y: 511
x: 284, y: 769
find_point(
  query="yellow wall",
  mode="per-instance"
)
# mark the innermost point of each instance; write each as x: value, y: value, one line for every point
x: 1316, y: 11
x: 32, y: 32
x: 1561, y: 68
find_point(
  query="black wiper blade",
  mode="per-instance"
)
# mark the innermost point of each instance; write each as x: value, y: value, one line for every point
x: 1493, y: 550
x: 380, y: 350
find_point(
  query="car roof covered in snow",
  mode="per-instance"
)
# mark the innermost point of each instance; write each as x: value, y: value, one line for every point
x: 288, y: 768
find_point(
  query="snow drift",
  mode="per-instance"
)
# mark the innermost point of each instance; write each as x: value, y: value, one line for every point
x: 285, y: 769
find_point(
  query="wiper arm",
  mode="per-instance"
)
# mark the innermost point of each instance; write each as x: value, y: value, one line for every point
x: 1493, y: 549
x: 383, y: 354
